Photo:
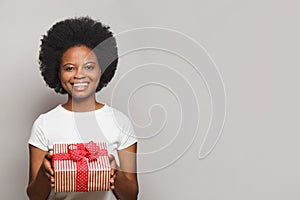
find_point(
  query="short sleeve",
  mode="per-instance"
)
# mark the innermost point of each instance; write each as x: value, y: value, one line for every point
x: 127, y: 135
x: 37, y: 137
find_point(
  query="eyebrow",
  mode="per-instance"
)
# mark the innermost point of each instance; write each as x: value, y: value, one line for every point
x: 67, y: 64
x: 89, y: 62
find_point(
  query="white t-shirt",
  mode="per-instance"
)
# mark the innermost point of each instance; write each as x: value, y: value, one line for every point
x: 106, y: 124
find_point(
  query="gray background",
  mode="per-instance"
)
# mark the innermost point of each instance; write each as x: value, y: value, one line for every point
x: 255, y: 45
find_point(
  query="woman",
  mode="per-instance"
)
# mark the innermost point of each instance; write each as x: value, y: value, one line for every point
x: 78, y: 57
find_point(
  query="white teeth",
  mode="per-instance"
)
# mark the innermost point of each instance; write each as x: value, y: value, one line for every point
x: 80, y: 84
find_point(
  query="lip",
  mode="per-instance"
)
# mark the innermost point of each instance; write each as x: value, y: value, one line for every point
x: 79, y: 83
x: 79, y: 86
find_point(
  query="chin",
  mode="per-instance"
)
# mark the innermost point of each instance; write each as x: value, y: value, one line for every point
x: 80, y: 96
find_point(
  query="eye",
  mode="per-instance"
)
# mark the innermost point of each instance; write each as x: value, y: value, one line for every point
x: 69, y: 68
x: 89, y: 67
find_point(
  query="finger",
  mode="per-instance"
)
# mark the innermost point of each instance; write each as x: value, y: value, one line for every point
x: 113, y: 164
x: 113, y: 175
x: 49, y: 178
x: 112, y: 183
x: 48, y: 167
x: 114, y: 172
x: 112, y: 180
x: 49, y: 155
x: 52, y: 182
x: 112, y: 187
x: 111, y: 157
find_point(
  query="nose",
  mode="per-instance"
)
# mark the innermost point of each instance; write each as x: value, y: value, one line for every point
x: 79, y: 73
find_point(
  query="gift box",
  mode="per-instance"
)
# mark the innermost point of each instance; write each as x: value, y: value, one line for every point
x: 81, y: 167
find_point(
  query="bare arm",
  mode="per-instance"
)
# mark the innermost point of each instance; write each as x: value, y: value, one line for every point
x: 40, y: 174
x: 125, y: 185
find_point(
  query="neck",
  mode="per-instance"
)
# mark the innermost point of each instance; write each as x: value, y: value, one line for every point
x: 82, y: 105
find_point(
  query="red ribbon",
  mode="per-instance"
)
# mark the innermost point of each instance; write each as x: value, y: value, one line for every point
x: 81, y: 154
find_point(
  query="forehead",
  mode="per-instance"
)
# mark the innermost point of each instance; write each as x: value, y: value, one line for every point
x: 79, y: 53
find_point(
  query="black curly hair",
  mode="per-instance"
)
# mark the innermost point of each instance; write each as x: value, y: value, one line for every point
x: 75, y: 32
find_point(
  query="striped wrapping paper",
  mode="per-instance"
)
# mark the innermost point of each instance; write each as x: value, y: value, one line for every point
x: 66, y: 171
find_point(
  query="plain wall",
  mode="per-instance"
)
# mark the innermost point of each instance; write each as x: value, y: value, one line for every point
x: 254, y: 43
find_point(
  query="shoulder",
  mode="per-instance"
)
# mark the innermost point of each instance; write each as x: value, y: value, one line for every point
x: 122, y: 127
x: 51, y: 114
x: 116, y: 121
x: 117, y: 115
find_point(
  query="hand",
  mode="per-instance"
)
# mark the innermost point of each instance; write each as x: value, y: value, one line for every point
x: 47, y: 168
x: 113, y: 172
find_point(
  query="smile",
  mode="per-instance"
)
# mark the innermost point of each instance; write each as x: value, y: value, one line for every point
x: 80, y: 86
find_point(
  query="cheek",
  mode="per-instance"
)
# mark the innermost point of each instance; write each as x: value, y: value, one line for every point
x: 64, y: 77
x: 96, y: 76
x: 97, y: 79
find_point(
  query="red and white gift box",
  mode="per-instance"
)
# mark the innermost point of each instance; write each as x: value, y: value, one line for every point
x: 81, y: 167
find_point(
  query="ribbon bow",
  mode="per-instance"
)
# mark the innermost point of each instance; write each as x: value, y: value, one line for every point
x: 78, y: 152
x: 95, y: 150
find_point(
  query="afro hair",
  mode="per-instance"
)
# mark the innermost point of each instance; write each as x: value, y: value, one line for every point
x: 75, y: 32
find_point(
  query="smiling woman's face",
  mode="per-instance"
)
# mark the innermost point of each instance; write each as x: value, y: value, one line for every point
x: 80, y: 72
